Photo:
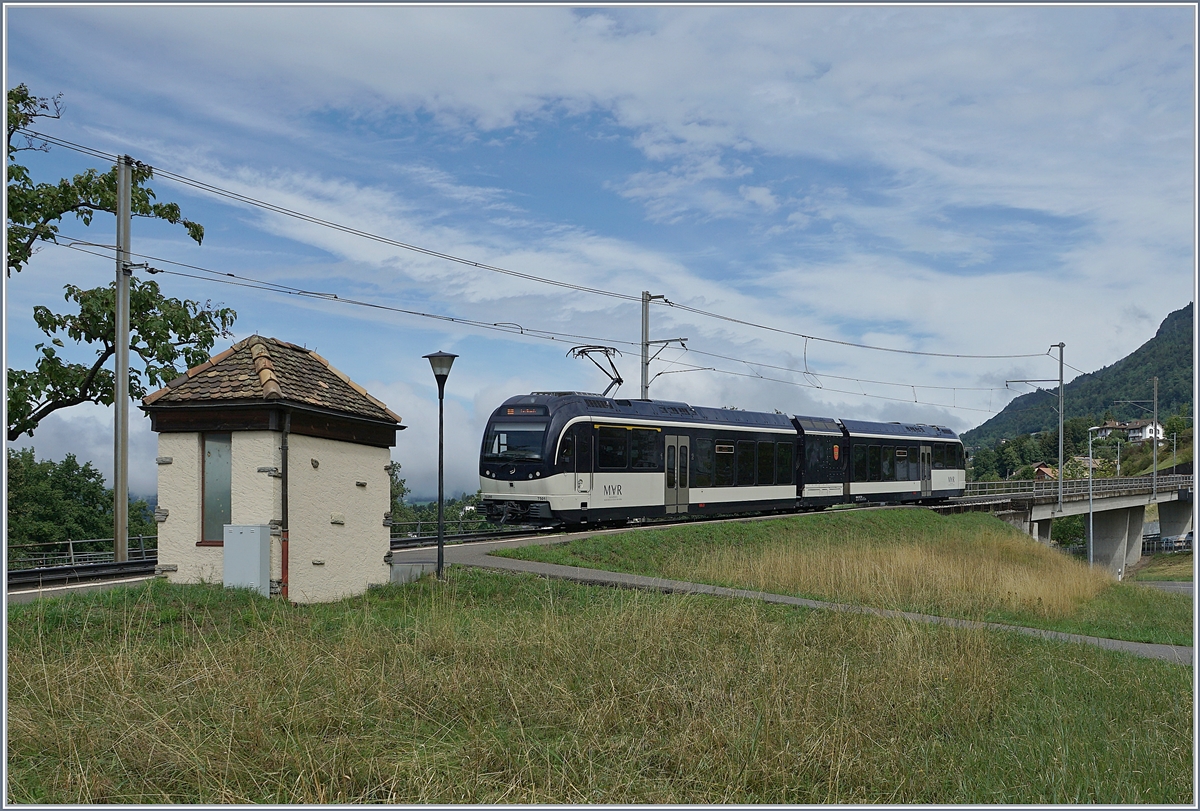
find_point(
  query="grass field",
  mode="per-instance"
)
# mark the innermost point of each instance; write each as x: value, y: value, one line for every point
x: 1166, y: 566
x: 495, y: 688
x: 971, y: 566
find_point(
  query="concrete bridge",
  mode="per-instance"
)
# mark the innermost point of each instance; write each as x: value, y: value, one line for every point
x: 1119, y: 508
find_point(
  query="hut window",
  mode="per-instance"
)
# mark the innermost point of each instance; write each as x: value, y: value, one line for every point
x: 218, y: 486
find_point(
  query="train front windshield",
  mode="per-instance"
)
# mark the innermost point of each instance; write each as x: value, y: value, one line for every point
x: 511, y: 441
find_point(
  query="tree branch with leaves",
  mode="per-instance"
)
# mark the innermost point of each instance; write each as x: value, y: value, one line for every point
x: 168, y: 334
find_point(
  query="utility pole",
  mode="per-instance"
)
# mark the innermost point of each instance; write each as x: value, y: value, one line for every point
x: 121, y: 383
x: 646, y: 358
x: 1060, y: 346
x: 646, y: 297
x: 1154, y: 431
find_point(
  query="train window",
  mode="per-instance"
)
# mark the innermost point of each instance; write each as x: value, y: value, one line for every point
x: 702, y: 451
x: 583, y: 448
x: 566, y: 450
x: 766, y: 463
x: 860, y: 463
x: 939, y: 457
x: 901, y: 464
x: 815, y: 448
x: 745, y: 463
x: 683, y: 467
x: 723, y: 471
x: 644, y: 451
x: 914, y: 463
x: 889, y: 463
x: 670, y: 466
x: 873, y: 466
x: 514, y: 440
x: 614, y: 448
x: 783, y: 463
x: 958, y: 458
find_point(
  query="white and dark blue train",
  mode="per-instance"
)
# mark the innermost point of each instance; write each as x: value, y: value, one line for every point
x: 568, y: 458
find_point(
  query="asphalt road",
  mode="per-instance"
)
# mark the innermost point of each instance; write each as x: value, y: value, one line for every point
x: 1173, y: 586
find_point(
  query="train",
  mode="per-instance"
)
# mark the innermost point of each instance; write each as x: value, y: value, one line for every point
x: 575, y: 459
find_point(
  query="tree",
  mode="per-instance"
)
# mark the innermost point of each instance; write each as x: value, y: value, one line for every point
x: 401, y: 512
x: 1178, y: 422
x: 166, y: 333
x: 53, y: 502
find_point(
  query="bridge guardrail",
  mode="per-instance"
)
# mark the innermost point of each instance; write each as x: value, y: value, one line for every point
x: 76, y: 552
x: 1074, y: 487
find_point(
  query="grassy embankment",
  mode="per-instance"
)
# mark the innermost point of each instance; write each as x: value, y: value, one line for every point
x: 1166, y: 566
x: 971, y: 566
x: 501, y: 688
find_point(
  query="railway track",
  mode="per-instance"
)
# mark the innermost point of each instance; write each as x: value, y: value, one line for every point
x: 44, y: 577
x: 30, y: 579
x: 49, y: 576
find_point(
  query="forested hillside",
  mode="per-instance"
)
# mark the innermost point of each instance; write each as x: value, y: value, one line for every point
x: 1168, y: 355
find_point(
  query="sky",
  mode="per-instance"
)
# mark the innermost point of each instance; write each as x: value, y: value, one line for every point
x: 973, y: 180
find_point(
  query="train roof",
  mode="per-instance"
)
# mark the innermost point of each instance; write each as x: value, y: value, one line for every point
x: 898, y: 429
x: 595, y: 404
x: 577, y: 403
x: 818, y: 425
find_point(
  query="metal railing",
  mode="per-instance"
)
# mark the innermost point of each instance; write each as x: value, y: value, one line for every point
x: 1075, y: 487
x: 71, y: 552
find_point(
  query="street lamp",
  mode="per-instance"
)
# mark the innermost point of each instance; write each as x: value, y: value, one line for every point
x: 1091, y: 475
x: 441, y: 363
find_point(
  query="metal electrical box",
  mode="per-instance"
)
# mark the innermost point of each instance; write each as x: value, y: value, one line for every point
x: 247, y: 560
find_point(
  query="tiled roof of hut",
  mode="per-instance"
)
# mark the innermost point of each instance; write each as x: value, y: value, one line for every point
x: 260, y: 369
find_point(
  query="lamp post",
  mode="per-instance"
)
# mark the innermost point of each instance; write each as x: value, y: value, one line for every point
x: 1091, y: 475
x: 441, y: 363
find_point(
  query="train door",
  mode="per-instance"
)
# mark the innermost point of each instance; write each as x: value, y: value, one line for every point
x: 677, y: 458
x: 583, y: 458
x: 841, y: 455
x: 926, y: 470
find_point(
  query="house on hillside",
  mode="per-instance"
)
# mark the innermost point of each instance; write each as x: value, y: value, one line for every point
x: 1088, y: 465
x: 1136, y: 432
x: 268, y: 433
x: 1140, y: 431
x: 1043, y: 471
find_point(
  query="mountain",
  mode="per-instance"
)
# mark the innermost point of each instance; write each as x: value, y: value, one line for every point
x: 1169, y: 355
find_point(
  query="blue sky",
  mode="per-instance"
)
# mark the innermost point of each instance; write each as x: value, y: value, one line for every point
x: 964, y: 180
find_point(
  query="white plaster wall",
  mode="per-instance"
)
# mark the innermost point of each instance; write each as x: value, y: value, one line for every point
x: 353, y: 552
x: 257, y: 498
x: 179, y: 493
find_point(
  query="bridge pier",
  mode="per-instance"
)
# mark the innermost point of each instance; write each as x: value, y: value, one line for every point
x: 1117, y: 542
x: 1040, y: 530
x: 1174, y: 517
x: 1018, y: 519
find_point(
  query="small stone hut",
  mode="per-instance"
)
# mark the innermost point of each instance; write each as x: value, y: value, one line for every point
x: 269, y: 433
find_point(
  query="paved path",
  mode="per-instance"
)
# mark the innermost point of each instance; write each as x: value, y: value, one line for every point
x: 1173, y: 586
x: 476, y: 554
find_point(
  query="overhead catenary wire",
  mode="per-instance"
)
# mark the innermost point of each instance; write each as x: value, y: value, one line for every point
x: 272, y: 287
x: 510, y: 328
x: 805, y: 372
x: 248, y: 200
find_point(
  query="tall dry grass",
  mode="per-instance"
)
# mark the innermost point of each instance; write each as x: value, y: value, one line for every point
x: 503, y: 689
x: 937, y: 566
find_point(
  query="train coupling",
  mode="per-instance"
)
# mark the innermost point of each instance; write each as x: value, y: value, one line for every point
x: 517, y: 512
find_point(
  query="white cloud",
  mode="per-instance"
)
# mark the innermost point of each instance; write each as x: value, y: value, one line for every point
x: 797, y: 166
